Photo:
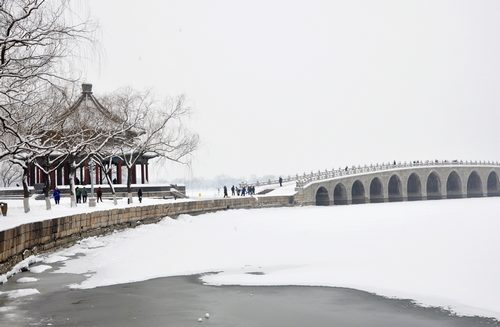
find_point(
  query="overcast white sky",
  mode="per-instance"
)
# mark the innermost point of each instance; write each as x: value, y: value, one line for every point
x: 280, y: 87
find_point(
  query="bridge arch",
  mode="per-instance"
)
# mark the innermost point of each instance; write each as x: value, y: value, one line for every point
x: 474, y: 185
x: 414, y: 187
x: 492, y: 184
x: 433, y: 186
x: 322, y: 198
x: 376, y: 191
x: 340, y: 194
x: 395, y: 188
x: 453, y: 186
x: 358, y: 192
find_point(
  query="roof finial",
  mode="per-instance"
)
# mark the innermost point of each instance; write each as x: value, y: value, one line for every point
x: 87, y: 88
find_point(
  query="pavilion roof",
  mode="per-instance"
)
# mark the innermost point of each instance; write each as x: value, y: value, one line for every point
x: 88, y: 105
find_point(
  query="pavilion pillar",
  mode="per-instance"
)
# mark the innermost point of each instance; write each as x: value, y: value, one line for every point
x: 81, y: 175
x: 42, y: 176
x: 66, y: 173
x: 134, y: 177
x: 32, y: 173
x: 147, y: 172
x: 87, y: 173
x: 97, y: 175
x: 100, y: 175
x: 119, y: 172
x: 142, y: 174
x: 59, y: 175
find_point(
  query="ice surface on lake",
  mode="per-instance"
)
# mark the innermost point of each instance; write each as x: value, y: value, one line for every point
x: 20, y: 293
x: 441, y: 253
x: 27, y: 280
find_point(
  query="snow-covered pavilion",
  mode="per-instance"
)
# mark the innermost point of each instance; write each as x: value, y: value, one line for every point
x: 87, y: 106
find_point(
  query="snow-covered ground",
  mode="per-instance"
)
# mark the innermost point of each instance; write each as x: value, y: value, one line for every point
x: 288, y: 188
x: 16, y: 215
x: 440, y: 253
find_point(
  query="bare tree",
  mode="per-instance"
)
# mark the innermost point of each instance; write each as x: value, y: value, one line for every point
x: 36, y: 36
x: 9, y: 173
x: 37, y: 139
x: 160, y: 131
x: 104, y: 160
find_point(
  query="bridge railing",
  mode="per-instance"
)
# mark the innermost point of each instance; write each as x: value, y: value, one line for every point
x: 306, y: 178
x: 328, y: 174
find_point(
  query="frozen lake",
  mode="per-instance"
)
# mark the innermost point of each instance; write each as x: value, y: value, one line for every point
x: 436, y: 253
x: 180, y: 301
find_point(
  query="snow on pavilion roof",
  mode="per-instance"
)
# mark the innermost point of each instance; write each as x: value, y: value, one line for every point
x: 93, y: 109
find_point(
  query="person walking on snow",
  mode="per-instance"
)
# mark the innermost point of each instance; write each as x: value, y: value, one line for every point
x: 139, y: 195
x: 225, y: 191
x: 57, y: 195
x: 232, y: 190
x: 84, y: 194
x: 281, y: 181
x: 99, y: 194
x: 78, y: 195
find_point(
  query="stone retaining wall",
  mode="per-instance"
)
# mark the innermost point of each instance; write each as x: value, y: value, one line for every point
x: 19, y: 243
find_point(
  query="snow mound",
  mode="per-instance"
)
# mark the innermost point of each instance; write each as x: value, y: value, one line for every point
x: 39, y: 269
x: 54, y: 259
x: 18, y: 267
x: 91, y: 243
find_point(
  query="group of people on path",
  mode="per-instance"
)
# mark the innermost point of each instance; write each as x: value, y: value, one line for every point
x: 236, y: 191
x: 244, y: 190
x: 81, y: 193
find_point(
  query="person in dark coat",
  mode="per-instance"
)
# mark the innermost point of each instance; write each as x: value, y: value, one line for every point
x: 139, y: 195
x: 78, y: 195
x: 281, y: 181
x: 225, y: 191
x: 232, y: 190
x: 99, y: 194
x: 57, y: 195
x: 84, y: 194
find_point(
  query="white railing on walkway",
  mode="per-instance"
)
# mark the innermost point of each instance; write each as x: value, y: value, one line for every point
x: 306, y: 178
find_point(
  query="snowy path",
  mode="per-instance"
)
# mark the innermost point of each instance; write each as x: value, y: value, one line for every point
x: 288, y: 188
x: 442, y: 253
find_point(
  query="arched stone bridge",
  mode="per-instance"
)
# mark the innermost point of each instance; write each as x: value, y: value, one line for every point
x: 400, y: 182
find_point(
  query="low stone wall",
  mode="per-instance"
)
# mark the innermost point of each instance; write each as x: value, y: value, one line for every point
x: 19, y: 243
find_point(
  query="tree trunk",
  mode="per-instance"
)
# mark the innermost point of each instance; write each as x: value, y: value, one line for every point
x: 26, y: 191
x: 72, y: 193
x: 110, y: 183
x: 129, y: 185
x: 46, y: 191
